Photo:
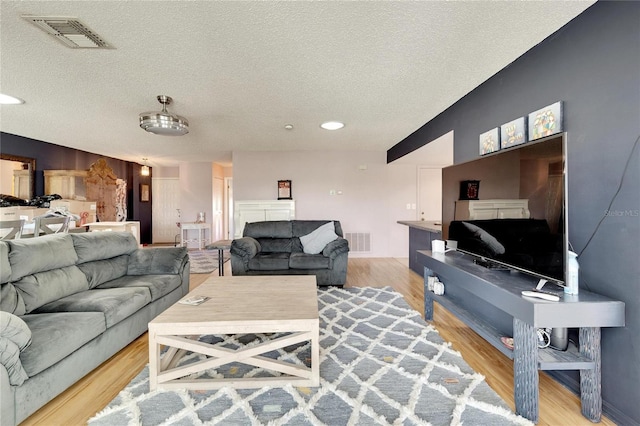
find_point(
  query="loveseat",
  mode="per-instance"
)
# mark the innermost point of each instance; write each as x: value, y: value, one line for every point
x: 68, y: 302
x: 527, y: 243
x: 292, y: 247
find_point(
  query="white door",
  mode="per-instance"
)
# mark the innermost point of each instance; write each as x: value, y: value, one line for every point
x: 228, y: 199
x: 165, y: 207
x: 217, y: 230
x: 430, y: 194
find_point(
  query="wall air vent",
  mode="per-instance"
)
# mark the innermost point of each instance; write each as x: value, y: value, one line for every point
x: 69, y: 31
x: 358, y: 241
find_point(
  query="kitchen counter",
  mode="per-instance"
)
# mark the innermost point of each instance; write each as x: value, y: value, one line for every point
x: 423, y: 224
x: 421, y: 233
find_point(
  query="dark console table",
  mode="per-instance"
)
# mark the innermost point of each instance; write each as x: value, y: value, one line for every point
x: 466, y: 282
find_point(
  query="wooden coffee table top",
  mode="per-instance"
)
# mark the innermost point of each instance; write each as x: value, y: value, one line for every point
x: 246, y: 300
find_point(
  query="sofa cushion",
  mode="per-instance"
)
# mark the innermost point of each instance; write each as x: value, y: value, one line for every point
x: 269, y: 229
x: 10, y: 300
x: 115, y: 303
x: 157, y: 260
x: 56, y: 335
x: 5, y: 266
x: 32, y: 255
x: 158, y: 285
x: 308, y: 261
x: 269, y: 262
x: 101, y: 271
x: 314, y: 242
x: 103, y: 245
x: 276, y: 245
x: 304, y: 227
x: 44, y: 287
x: 296, y: 245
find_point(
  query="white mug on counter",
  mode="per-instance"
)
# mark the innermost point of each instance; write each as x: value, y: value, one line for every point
x: 437, y: 246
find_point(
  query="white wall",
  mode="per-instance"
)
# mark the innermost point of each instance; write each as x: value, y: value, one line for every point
x: 6, y: 175
x: 374, y: 194
x: 196, y: 192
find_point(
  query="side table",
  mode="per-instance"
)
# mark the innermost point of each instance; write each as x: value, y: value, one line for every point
x: 200, y: 227
x: 221, y: 246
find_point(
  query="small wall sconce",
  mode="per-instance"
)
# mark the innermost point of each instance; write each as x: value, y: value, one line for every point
x: 144, y: 171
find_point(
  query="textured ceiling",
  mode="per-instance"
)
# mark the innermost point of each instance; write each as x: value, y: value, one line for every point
x: 240, y: 71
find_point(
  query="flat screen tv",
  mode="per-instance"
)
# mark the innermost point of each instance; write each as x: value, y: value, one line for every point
x: 534, y: 171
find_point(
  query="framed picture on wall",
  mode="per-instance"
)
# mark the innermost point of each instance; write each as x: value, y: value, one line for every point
x: 469, y: 189
x: 284, y: 190
x: 513, y: 133
x: 545, y: 121
x: 144, y: 192
x: 490, y: 141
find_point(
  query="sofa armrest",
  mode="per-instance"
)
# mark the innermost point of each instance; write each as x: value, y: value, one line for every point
x: 245, y: 247
x: 15, y: 336
x: 158, y: 261
x: 335, y: 248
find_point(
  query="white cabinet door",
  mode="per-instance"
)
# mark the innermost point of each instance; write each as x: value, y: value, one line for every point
x: 277, y: 214
x: 491, y: 209
x: 481, y: 214
x: 261, y: 210
x: 511, y: 213
x: 248, y: 216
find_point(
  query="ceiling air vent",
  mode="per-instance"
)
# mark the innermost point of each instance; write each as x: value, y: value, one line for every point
x: 69, y: 31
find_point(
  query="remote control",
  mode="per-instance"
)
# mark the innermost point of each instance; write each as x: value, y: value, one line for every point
x: 545, y: 296
x: 537, y: 290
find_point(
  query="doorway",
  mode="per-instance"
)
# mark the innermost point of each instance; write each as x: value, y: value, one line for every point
x: 165, y: 206
x: 228, y: 202
x: 430, y: 194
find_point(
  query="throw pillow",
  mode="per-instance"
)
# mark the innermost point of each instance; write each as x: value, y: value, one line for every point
x: 314, y: 242
x: 489, y: 240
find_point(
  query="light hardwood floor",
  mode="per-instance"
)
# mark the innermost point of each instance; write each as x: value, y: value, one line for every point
x: 558, y: 406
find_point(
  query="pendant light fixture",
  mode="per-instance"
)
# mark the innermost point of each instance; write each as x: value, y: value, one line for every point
x: 145, y: 171
x: 162, y: 122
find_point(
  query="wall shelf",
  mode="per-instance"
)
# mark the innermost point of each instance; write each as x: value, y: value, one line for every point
x: 548, y: 359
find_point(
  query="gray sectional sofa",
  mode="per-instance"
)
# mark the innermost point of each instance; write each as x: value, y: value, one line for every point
x: 292, y: 247
x: 68, y: 302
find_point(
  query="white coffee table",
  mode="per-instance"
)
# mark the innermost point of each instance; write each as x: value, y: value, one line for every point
x: 238, y: 305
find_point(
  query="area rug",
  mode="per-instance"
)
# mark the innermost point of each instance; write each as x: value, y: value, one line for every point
x: 203, y: 261
x: 380, y: 364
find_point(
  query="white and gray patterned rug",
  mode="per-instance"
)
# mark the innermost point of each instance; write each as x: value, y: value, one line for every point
x: 380, y: 364
x: 203, y: 261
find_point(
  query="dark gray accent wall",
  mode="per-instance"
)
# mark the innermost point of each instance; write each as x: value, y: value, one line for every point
x: 593, y: 65
x: 50, y: 156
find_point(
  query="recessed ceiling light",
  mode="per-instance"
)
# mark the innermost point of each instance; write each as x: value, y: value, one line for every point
x: 332, y: 125
x: 288, y: 126
x: 9, y: 100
